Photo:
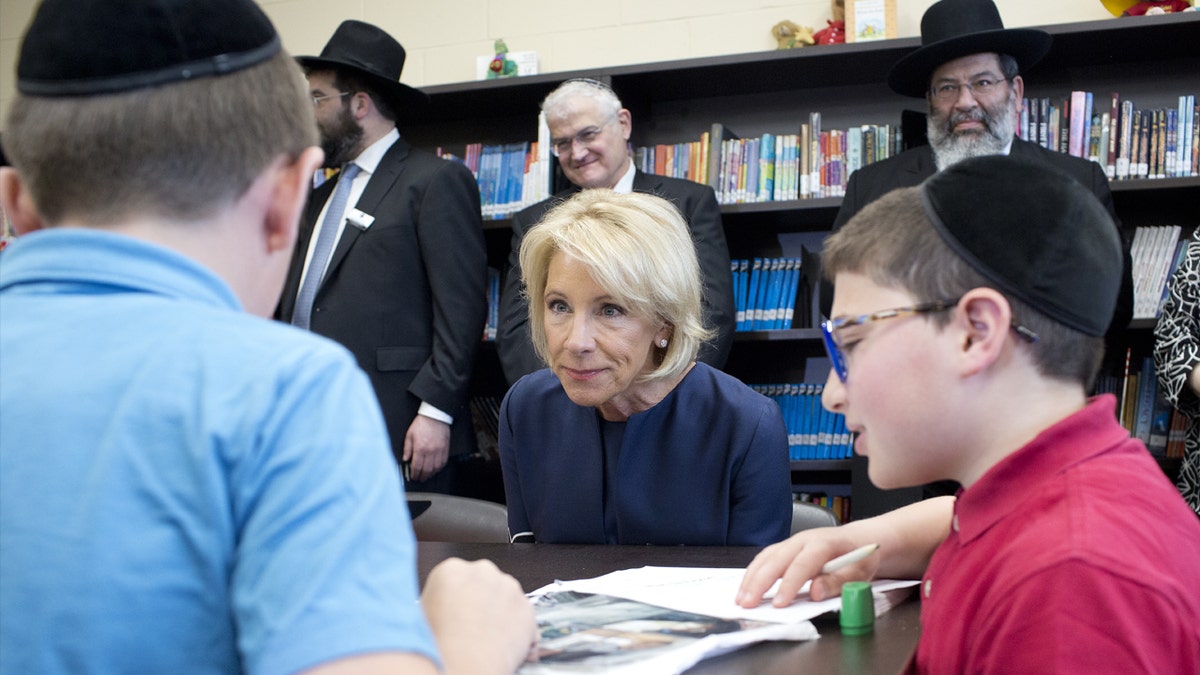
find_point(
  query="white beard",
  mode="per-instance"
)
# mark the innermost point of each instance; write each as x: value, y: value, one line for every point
x: 950, y: 148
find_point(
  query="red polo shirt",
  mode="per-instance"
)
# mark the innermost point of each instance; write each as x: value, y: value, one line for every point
x: 1075, y: 554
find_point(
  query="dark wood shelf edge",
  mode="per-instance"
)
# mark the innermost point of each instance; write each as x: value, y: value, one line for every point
x: 1154, y: 184
x: 821, y: 464
x: 833, y: 203
x: 788, y: 335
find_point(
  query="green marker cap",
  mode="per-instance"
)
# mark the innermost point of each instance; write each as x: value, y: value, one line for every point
x: 858, y: 608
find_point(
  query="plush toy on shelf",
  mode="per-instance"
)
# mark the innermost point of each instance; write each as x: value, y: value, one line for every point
x: 501, y: 66
x: 834, y: 33
x: 789, y: 34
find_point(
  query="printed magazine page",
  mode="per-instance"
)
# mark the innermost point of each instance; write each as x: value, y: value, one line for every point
x: 583, y: 633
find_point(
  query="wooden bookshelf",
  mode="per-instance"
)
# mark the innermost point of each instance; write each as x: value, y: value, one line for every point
x: 1151, y: 60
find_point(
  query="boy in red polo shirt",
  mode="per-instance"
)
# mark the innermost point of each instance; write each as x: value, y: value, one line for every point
x: 969, y: 316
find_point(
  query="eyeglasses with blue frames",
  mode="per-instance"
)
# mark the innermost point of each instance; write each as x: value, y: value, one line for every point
x: 834, y: 349
x: 317, y: 99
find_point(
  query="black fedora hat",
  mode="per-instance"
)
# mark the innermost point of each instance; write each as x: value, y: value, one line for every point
x: 371, y: 52
x: 951, y: 29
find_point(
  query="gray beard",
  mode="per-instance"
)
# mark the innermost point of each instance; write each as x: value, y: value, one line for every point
x: 950, y: 148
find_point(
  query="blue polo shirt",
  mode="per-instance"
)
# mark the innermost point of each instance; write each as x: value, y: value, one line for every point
x: 185, y: 488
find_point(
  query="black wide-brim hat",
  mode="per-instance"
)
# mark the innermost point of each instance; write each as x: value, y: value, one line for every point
x: 372, y: 53
x: 952, y: 29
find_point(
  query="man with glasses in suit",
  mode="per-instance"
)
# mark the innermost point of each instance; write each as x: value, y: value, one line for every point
x: 590, y: 131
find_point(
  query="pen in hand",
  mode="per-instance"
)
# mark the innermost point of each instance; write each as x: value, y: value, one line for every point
x: 849, y: 558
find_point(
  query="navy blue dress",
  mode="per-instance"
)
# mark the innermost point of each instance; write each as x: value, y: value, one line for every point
x: 706, y: 466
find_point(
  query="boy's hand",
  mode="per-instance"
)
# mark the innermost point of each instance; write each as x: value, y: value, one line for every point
x: 800, y: 558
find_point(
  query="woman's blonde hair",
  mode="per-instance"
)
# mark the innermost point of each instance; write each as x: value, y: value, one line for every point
x: 638, y: 248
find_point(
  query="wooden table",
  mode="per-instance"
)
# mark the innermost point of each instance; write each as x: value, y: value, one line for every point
x: 886, y: 650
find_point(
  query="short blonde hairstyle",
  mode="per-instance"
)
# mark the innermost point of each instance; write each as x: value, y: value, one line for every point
x: 638, y: 248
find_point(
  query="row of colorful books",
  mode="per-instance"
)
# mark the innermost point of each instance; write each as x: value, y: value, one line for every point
x: 813, y: 432
x: 687, y: 160
x: 811, y: 163
x: 493, y: 297
x: 1129, y: 142
x: 1155, y: 252
x: 764, y: 292
x: 1143, y: 409
x: 511, y: 176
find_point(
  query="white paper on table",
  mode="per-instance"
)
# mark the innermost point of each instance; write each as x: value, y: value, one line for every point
x: 602, y: 633
x: 711, y: 591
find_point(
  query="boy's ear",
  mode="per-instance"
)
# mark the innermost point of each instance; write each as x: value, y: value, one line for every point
x: 293, y: 182
x: 18, y: 203
x: 984, y: 319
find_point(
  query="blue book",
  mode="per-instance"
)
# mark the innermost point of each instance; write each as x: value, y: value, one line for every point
x: 744, y: 285
x: 812, y: 405
x: 774, y: 291
x: 824, y: 428
x: 756, y: 274
x: 789, y: 294
x: 766, y: 168
x: 760, y: 295
x: 793, y: 424
x: 737, y: 289
x: 1144, y: 413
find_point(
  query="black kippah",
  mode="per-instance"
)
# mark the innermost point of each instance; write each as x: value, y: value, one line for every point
x: 86, y: 47
x: 1035, y: 232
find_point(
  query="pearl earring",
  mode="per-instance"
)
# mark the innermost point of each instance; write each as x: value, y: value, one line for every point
x: 662, y: 343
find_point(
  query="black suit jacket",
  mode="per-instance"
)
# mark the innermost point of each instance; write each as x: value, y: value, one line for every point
x: 911, y: 167
x: 407, y: 295
x: 697, y: 203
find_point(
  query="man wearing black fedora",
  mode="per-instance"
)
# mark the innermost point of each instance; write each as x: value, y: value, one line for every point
x: 968, y: 69
x: 391, y: 260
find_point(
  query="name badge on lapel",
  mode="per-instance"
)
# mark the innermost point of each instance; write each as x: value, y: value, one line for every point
x: 359, y: 219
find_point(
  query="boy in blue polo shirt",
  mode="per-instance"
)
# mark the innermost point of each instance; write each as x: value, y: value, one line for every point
x: 184, y: 487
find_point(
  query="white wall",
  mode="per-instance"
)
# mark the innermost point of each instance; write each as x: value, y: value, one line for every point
x: 444, y: 37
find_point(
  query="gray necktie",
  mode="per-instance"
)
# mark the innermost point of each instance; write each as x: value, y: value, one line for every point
x: 320, y: 256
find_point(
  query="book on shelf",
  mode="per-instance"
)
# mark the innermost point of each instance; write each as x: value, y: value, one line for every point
x: 1114, y: 117
x: 493, y: 297
x: 1144, y: 405
x: 1153, y: 253
x: 1078, y: 99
